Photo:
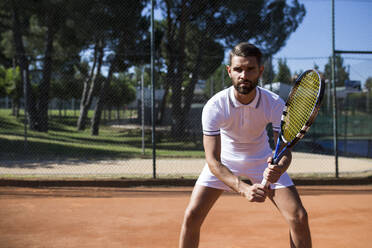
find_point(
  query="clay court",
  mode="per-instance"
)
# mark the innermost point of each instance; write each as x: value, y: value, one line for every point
x: 340, y: 216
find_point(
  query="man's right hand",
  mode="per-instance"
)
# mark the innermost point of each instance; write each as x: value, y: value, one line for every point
x: 254, y: 193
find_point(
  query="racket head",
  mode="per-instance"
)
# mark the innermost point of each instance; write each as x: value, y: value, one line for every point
x: 301, y: 107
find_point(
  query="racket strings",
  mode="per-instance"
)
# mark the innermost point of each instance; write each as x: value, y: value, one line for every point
x: 300, y: 105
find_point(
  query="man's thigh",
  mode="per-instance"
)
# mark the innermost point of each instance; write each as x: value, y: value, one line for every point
x: 287, y: 200
x: 202, y: 199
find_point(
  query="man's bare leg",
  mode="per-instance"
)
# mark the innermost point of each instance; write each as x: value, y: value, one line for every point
x: 289, y: 204
x: 202, y: 200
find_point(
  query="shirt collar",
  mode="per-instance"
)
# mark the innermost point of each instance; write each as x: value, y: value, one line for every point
x: 236, y: 104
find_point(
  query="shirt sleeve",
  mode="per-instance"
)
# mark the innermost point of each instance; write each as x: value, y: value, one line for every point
x: 276, y: 114
x: 211, y: 119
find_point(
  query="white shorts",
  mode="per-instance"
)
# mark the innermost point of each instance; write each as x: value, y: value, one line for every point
x: 252, y: 171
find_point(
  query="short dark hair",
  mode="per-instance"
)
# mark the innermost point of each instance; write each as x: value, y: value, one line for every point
x: 246, y: 49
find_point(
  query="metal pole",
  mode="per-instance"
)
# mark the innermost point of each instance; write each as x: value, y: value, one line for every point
x: 25, y: 146
x: 335, y: 141
x: 153, y: 90
x: 328, y: 96
x: 143, y: 110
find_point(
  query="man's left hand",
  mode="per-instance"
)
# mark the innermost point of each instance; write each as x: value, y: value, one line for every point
x: 273, y: 172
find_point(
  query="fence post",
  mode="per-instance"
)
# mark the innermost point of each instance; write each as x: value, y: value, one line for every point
x: 25, y: 147
x: 335, y: 145
x: 153, y: 90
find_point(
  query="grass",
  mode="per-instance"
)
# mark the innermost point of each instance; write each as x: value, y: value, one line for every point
x: 63, y: 141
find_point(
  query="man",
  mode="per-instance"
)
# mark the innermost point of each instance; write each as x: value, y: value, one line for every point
x: 236, y: 145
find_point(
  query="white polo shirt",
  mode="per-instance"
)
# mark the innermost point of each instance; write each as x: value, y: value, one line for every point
x: 242, y: 127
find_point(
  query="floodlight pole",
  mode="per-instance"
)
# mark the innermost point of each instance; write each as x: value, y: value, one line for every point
x: 153, y: 91
x: 335, y: 141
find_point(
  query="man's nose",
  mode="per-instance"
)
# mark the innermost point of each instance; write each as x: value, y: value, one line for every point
x: 244, y: 75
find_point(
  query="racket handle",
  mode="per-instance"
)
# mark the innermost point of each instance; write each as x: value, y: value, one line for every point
x: 265, y: 183
x: 277, y: 157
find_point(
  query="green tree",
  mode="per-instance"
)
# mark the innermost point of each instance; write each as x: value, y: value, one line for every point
x: 14, y: 88
x: 218, y: 81
x: 214, y: 20
x: 5, y: 24
x: 284, y: 73
x: 368, y: 84
x: 204, y: 57
x: 341, y: 74
x: 121, y: 92
x: 268, y: 73
x: 13, y: 42
x: 91, y: 80
x: 128, y: 32
x: 11, y: 85
x: 273, y: 22
x: 66, y: 85
x: 2, y: 81
x: 40, y: 38
x: 98, y: 28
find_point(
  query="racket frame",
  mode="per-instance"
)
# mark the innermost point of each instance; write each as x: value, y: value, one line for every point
x: 278, y: 154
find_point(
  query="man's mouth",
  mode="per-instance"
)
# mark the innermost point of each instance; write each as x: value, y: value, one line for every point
x: 245, y: 82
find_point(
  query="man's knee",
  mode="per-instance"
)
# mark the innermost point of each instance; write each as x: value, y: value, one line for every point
x: 193, y: 217
x: 298, y: 217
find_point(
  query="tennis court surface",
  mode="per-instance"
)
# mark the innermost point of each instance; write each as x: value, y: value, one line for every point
x: 340, y: 216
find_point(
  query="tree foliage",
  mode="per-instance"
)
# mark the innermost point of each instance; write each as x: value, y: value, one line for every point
x: 284, y: 73
x: 341, y: 74
x: 368, y: 84
x: 121, y: 92
x: 265, y: 23
x: 52, y: 40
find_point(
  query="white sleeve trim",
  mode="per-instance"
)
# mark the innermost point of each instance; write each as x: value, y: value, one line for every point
x: 211, y: 133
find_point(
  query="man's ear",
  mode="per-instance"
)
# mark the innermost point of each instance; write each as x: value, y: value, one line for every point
x: 228, y: 68
x: 261, y: 70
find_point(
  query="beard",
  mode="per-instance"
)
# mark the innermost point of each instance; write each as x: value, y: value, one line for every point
x: 245, y: 87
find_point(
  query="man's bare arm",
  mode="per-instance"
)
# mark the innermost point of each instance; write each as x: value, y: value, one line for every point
x: 273, y: 172
x: 212, y: 147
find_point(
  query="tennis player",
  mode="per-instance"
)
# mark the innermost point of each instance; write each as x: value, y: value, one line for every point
x: 236, y: 146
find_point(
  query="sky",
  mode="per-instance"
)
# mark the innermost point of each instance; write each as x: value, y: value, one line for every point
x: 311, y: 43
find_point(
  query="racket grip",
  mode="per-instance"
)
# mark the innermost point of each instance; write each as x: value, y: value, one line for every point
x: 265, y: 183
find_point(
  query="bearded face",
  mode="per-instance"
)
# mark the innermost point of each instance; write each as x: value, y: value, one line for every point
x: 244, y: 73
x: 245, y: 86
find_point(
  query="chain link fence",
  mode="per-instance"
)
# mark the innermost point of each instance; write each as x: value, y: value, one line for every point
x: 76, y: 95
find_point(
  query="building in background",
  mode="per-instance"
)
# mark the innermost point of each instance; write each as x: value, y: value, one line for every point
x: 279, y: 88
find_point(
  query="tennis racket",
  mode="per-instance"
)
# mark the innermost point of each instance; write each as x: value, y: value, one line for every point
x: 300, y: 111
